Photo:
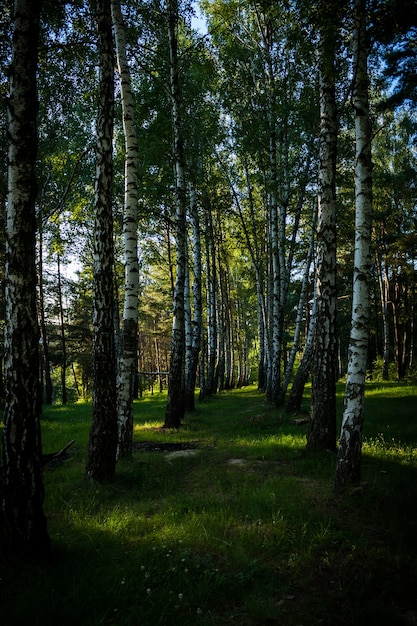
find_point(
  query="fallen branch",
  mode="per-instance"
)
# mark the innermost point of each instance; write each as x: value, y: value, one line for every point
x: 53, y: 457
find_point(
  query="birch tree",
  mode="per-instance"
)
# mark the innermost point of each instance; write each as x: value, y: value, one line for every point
x: 300, y: 311
x: 348, y: 467
x: 102, y: 448
x: 128, y: 349
x: 196, y: 317
x: 23, y: 523
x: 176, y: 384
x: 322, y: 431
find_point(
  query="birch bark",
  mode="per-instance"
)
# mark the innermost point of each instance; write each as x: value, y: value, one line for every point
x: 23, y: 524
x: 212, y: 308
x: 383, y: 282
x: 176, y: 382
x: 101, y: 461
x: 322, y: 431
x: 128, y: 348
x: 348, y: 467
x: 196, y: 322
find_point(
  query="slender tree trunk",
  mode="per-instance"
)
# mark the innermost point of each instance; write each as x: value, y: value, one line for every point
x: 63, y: 341
x: 348, y: 467
x: 383, y: 283
x: 301, y: 377
x: 212, y: 320
x: 101, y: 462
x: 196, y: 322
x: 77, y: 386
x: 274, y: 365
x: 176, y: 383
x: 46, y: 365
x: 23, y: 524
x: 127, y: 359
x: 256, y: 254
x: 300, y: 308
x: 187, y: 320
x: 412, y: 319
x: 322, y: 432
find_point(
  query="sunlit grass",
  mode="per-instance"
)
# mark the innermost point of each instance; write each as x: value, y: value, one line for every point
x: 248, y: 531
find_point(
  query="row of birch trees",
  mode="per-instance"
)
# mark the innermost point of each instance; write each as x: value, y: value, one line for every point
x: 241, y: 158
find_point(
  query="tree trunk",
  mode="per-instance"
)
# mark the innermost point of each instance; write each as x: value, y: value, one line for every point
x: 101, y: 462
x: 301, y: 377
x: 127, y: 359
x: 383, y: 282
x: 196, y: 323
x: 322, y: 432
x: 46, y: 365
x: 210, y: 386
x: 176, y: 383
x: 348, y: 467
x: 256, y: 254
x: 23, y: 524
x: 300, y: 309
x: 63, y: 342
x: 274, y: 361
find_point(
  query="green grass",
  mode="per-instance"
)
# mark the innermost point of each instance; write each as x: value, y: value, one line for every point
x: 248, y: 531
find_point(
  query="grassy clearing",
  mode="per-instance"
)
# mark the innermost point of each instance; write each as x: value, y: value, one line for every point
x: 247, y: 531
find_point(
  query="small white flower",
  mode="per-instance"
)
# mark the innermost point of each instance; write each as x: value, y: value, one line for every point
x: 180, y: 596
x: 148, y: 591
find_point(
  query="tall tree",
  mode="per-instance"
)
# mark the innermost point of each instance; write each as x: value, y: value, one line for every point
x: 176, y: 383
x: 348, y: 467
x: 196, y: 318
x: 128, y: 351
x: 101, y: 462
x: 322, y: 431
x: 23, y: 528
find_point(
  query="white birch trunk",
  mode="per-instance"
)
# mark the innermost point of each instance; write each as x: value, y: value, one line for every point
x: 383, y: 282
x: 212, y: 320
x: 274, y: 372
x: 187, y: 318
x: 348, y: 468
x: 128, y: 352
x: 196, y: 322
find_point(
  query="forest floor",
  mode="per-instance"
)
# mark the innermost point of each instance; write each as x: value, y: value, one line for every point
x: 226, y: 521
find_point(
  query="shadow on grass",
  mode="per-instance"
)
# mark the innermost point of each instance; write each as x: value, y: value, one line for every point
x: 246, y: 532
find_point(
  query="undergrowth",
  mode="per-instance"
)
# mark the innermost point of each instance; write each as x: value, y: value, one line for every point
x: 244, y: 529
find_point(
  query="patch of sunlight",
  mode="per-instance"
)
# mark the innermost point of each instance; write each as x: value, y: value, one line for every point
x: 390, y: 450
x: 282, y: 440
x: 127, y: 524
x: 391, y: 390
x: 148, y: 426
